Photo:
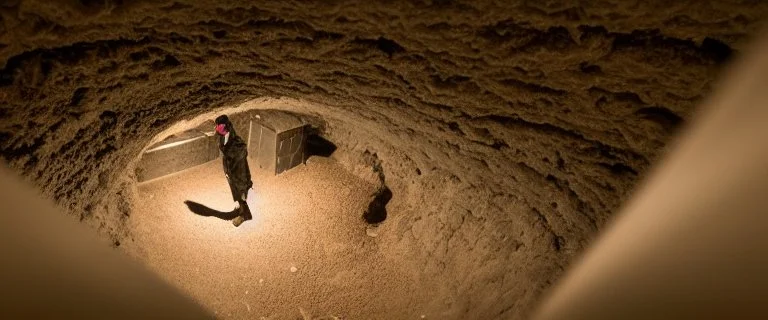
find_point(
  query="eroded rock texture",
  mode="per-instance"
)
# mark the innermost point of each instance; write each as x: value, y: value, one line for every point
x: 508, y: 131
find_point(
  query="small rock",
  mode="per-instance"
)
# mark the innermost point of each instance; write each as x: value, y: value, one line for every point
x: 261, y: 281
x: 246, y: 291
x: 371, y: 232
x: 293, y: 269
x: 423, y: 316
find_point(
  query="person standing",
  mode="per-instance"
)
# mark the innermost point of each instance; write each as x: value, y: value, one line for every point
x: 234, y: 156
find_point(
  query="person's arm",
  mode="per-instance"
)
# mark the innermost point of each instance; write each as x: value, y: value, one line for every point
x: 238, y: 168
x: 224, y: 161
x: 241, y: 151
x: 224, y: 164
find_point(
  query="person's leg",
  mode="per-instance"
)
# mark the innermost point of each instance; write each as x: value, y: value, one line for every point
x: 239, y: 219
x: 235, y: 194
x: 245, y: 211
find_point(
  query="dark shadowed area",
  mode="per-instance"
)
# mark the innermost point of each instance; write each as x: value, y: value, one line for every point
x: 202, y: 210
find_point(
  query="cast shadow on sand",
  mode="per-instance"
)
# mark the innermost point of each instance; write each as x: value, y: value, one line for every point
x: 204, y: 211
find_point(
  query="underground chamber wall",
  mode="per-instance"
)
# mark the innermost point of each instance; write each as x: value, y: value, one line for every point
x: 523, y: 126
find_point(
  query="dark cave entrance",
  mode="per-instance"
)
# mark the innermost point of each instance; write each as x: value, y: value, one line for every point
x: 377, y: 209
x: 317, y: 145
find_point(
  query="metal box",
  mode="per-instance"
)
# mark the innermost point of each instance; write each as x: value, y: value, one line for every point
x: 176, y: 153
x: 277, y: 141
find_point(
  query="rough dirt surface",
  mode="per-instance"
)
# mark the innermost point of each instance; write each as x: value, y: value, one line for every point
x: 507, y: 131
x: 304, y: 253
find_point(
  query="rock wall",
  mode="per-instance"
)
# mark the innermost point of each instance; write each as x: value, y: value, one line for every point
x: 507, y: 131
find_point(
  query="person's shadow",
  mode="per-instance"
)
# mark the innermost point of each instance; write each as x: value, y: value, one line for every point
x: 204, y: 211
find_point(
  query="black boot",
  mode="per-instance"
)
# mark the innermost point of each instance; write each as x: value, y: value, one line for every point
x: 238, y: 221
x: 245, y: 211
x: 245, y: 214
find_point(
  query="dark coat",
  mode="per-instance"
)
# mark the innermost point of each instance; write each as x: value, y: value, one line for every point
x: 234, y: 158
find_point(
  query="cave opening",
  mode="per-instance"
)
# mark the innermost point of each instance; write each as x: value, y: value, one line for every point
x: 317, y: 145
x: 377, y: 209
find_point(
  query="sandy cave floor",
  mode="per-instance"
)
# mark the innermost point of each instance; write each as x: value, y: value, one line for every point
x: 308, y: 218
